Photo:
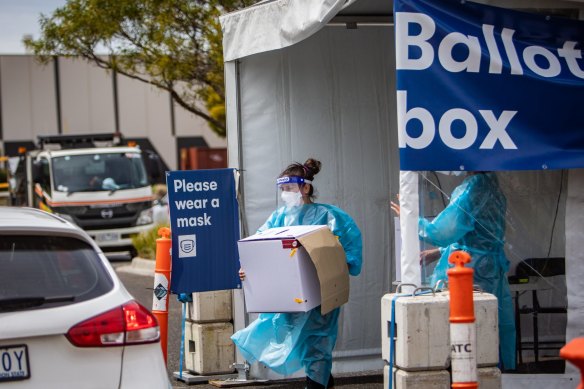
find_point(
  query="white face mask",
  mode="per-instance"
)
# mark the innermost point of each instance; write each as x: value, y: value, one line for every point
x: 292, y: 199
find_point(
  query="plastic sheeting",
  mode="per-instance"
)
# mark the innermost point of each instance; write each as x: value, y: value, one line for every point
x: 329, y: 98
x: 272, y: 25
x: 535, y: 228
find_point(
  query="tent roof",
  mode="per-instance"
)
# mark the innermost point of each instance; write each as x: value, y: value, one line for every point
x: 275, y: 24
x: 368, y: 8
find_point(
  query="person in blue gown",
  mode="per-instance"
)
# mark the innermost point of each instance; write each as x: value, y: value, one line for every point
x: 287, y: 342
x: 474, y: 221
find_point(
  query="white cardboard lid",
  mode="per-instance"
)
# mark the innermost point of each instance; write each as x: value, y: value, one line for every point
x: 290, y: 232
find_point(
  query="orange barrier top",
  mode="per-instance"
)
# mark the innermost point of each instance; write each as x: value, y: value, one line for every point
x: 164, y: 232
x: 574, y: 352
x: 163, y: 246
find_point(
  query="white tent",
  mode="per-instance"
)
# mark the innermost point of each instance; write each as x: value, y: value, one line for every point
x: 316, y: 78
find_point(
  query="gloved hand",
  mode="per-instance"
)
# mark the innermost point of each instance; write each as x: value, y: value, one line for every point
x: 185, y: 297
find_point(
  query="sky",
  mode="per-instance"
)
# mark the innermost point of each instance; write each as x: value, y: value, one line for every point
x: 20, y: 17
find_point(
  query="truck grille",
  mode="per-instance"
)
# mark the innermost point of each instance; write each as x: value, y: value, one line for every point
x: 104, y: 217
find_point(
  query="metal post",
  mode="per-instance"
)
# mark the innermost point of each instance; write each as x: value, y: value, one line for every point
x: 58, y: 95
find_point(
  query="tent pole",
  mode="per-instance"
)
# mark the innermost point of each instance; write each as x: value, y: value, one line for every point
x: 235, y: 160
x: 409, y: 215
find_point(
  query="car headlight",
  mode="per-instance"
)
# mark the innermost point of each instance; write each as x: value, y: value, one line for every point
x: 66, y: 217
x: 145, y: 217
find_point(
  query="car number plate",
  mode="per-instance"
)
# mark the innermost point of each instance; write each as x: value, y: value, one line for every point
x: 107, y: 237
x: 14, y: 363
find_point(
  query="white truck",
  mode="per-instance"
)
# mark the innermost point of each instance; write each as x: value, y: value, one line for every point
x: 91, y: 181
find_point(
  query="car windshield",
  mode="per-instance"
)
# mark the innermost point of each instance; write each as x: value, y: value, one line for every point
x: 41, y: 271
x: 96, y: 172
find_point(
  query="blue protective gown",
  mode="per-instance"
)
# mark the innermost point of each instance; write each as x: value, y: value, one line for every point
x: 474, y: 221
x: 286, y: 342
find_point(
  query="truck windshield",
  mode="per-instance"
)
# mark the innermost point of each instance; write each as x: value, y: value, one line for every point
x: 98, y: 172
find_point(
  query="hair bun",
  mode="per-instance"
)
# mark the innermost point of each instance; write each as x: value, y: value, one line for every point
x: 312, y: 166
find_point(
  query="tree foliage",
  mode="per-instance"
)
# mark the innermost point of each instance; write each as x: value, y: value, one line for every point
x: 175, y: 45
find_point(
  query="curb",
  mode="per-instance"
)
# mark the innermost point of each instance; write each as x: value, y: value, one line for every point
x: 140, y: 266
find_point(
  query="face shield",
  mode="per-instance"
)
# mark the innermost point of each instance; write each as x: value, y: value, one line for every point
x: 451, y: 173
x: 290, y: 190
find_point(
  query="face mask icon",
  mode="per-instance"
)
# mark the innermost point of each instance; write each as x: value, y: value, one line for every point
x: 187, y: 246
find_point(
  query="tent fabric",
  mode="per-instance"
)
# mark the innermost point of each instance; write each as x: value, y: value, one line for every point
x: 575, y: 256
x: 273, y: 25
x: 332, y: 96
x: 328, y: 98
x: 536, y: 209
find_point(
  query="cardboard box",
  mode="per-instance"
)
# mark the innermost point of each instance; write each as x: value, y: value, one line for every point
x: 294, y: 269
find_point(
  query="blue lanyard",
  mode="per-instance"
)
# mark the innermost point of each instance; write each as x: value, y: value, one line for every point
x: 182, y: 340
x: 392, y: 331
x: 392, y: 337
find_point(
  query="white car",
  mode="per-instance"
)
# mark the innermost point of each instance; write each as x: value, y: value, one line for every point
x: 66, y: 320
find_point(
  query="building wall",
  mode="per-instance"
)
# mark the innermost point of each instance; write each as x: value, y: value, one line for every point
x: 80, y: 98
x: 145, y: 111
x: 87, y: 103
x: 28, y: 98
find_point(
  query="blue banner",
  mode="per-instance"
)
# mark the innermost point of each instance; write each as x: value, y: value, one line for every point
x: 485, y: 88
x: 205, y: 230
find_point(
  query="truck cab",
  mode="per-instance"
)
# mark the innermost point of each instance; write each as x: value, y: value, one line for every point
x: 104, y: 190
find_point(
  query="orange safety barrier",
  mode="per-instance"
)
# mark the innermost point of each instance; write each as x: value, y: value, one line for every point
x: 462, y: 323
x: 574, y: 352
x: 162, y: 285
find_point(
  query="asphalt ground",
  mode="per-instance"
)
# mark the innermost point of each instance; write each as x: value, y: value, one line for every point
x: 140, y: 286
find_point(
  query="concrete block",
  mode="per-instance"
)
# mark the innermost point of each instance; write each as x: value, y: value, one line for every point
x: 487, y: 322
x: 208, y: 348
x: 208, y: 307
x: 423, y: 331
x: 489, y: 378
x: 434, y: 379
x: 421, y: 334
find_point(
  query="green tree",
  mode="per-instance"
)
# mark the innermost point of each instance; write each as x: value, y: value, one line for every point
x: 175, y: 45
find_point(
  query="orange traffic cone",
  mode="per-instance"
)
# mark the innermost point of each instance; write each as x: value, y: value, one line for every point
x: 162, y: 285
x: 462, y: 323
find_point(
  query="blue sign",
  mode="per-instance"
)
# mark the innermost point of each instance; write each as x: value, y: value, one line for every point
x: 205, y: 230
x: 485, y: 88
